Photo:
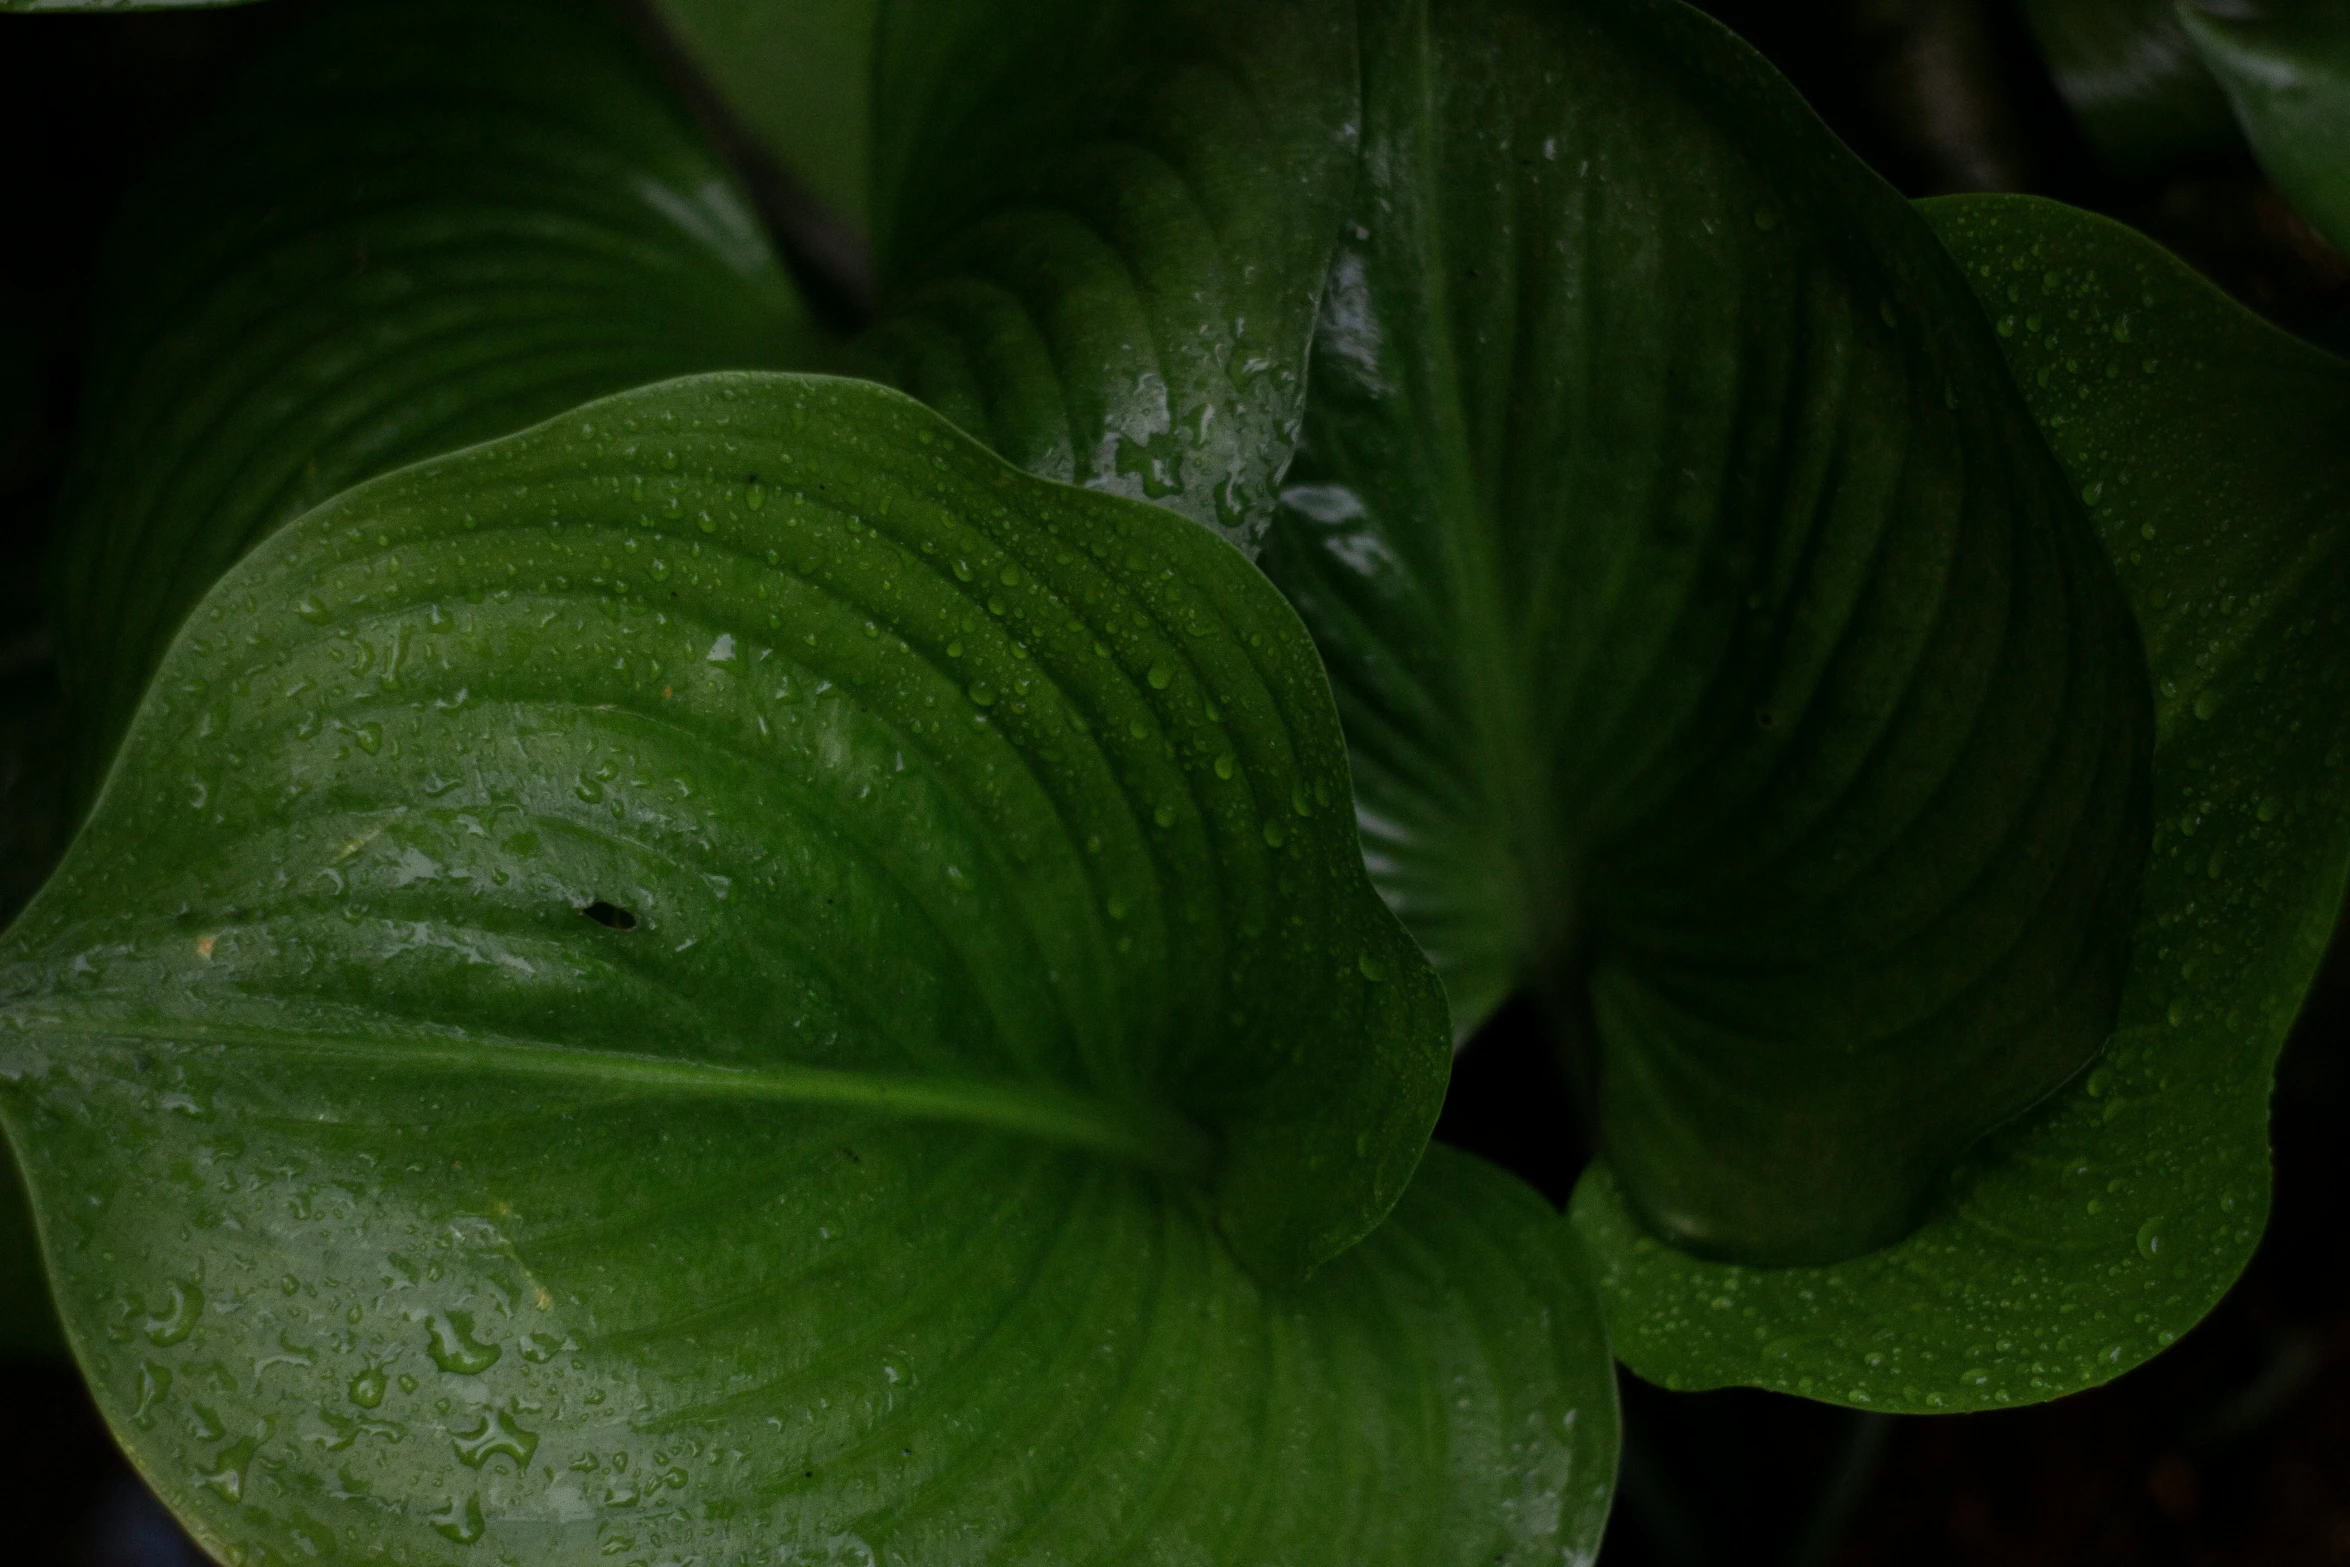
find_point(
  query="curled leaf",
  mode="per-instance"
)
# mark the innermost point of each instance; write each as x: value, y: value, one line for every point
x: 1720, y: 649
x: 827, y: 1021
x: 2082, y: 1239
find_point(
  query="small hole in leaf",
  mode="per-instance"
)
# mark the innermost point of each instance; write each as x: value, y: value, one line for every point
x: 610, y: 915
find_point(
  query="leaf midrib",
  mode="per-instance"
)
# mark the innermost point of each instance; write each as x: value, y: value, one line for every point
x: 1151, y: 1138
x: 1536, y: 896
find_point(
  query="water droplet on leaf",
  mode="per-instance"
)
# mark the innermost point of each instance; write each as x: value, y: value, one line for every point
x: 367, y: 1388
x: 454, y: 1348
x: 499, y: 1433
x: 460, y: 1521
x: 183, y: 1307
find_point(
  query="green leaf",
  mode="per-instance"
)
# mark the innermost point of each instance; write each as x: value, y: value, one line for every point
x: 800, y: 77
x: 2131, y: 77
x: 1719, y: 647
x: 773, y: 1035
x: 2288, y: 77
x: 391, y: 244
x: 1101, y: 230
x: 2076, y: 1243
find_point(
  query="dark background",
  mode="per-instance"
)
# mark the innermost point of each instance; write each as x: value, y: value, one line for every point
x: 2233, y: 1447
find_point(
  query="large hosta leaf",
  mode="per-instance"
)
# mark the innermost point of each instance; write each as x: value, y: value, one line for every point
x: 1101, y: 231
x: 2078, y: 1242
x: 2288, y: 76
x: 393, y: 243
x: 1719, y: 646
x: 2131, y: 77
x: 817, y: 1023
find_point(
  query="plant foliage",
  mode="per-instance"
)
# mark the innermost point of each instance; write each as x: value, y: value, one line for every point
x: 2082, y: 1239
x: 677, y: 957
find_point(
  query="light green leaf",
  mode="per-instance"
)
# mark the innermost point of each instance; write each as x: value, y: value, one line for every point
x: 1101, y: 232
x: 1719, y: 647
x: 800, y: 77
x: 2076, y: 1243
x: 769, y: 1031
x: 2131, y: 77
x: 2287, y: 74
x: 392, y: 243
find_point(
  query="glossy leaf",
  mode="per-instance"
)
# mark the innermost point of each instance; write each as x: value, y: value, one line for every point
x: 2287, y: 74
x: 2080, y: 1241
x: 2132, y: 80
x: 391, y: 244
x: 1718, y: 645
x: 768, y: 1028
x: 800, y: 76
x: 1101, y: 232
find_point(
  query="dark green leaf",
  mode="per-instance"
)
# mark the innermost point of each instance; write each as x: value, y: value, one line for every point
x: 730, y: 978
x: 800, y: 76
x: 2132, y: 80
x: 2288, y: 77
x: 1101, y: 229
x: 392, y: 244
x: 2079, y: 1241
x: 1719, y: 646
